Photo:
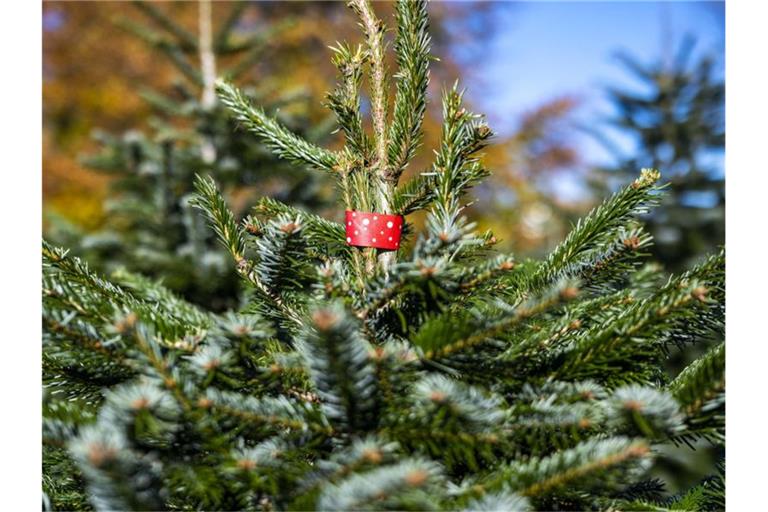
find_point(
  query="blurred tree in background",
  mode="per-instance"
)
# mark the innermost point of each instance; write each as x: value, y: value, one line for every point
x: 88, y: 72
x: 150, y: 226
x: 676, y: 120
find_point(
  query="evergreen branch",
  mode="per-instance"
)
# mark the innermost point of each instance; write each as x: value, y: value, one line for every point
x: 453, y: 332
x: 255, y: 46
x: 345, y: 99
x: 412, y: 46
x: 598, y: 227
x: 154, y: 292
x: 273, y: 466
x: 374, y: 34
x: 701, y: 380
x: 451, y: 421
x: 455, y: 168
x: 596, y: 463
x: 282, y: 142
x: 453, y: 449
x: 277, y: 413
x: 136, y: 405
x: 554, y: 416
x: 451, y: 235
x: 390, y: 487
x: 249, y: 60
x: 362, y: 455
x: 187, y: 40
x: 280, y: 255
x: 119, y: 155
x: 118, y: 477
x: 319, y: 232
x: 700, y: 390
x: 268, y: 303
x: 334, y: 280
x: 644, y: 411
x: 336, y: 356
x: 154, y: 39
x: 160, y: 365
x: 72, y: 330
x: 533, y: 344
x: 63, y: 296
x: 636, y: 330
x: 63, y: 483
x: 608, y: 266
x: 181, y: 62
x: 175, y: 53
x: 281, y: 270
x: 477, y: 278
x: 417, y: 278
x: 707, y: 495
x: 501, y: 500
x: 712, y: 270
x: 454, y: 406
x: 415, y: 194
x: 710, y: 274
x: 159, y: 101
x: 74, y: 373
x: 221, y: 39
x: 211, y: 202
x: 650, y: 490
x: 75, y: 271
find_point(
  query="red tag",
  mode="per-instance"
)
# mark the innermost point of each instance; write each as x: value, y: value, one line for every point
x: 373, y: 230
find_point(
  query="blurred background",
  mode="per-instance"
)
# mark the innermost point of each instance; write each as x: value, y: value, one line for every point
x: 582, y: 95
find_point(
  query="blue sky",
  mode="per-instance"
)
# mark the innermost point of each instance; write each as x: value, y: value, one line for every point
x: 547, y: 49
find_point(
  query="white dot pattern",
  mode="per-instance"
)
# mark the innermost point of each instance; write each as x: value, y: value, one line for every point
x: 384, y: 232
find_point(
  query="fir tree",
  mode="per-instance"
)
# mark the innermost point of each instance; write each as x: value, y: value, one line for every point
x: 151, y: 227
x: 676, y: 119
x: 440, y: 376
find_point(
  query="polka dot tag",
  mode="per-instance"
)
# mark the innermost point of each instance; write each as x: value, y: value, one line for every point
x: 373, y: 230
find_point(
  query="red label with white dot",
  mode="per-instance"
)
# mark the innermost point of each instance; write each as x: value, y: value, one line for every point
x: 373, y: 230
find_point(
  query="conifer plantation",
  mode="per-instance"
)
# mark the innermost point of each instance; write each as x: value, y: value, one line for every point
x: 443, y: 375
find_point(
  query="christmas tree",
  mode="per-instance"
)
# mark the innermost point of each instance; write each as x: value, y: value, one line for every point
x: 151, y: 228
x: 440, y: 375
